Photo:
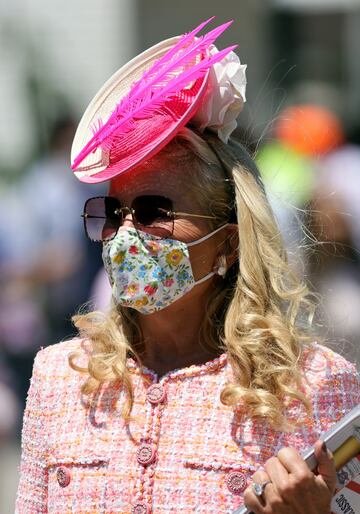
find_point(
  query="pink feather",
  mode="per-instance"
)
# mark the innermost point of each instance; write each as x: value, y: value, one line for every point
x: 163, y: 70
x: 174, y: 57
x: 165, y: 78
x: 169, y: 55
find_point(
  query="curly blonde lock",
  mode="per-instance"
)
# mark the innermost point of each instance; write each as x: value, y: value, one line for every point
x: 256, y: 314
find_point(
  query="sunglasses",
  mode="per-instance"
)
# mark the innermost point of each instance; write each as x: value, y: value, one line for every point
x: 104, y: 215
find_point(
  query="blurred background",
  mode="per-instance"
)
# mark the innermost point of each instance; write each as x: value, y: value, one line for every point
x: 301, y: 120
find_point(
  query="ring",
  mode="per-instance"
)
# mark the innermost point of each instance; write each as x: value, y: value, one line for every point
x: 259, y: 489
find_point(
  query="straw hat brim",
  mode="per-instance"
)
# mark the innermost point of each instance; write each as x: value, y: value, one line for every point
x: 142, y: 143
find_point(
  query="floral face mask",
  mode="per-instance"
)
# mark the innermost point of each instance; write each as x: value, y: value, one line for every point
x: 148, y: 273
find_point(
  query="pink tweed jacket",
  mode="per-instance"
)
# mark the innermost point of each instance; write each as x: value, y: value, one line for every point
x: 183, y: 451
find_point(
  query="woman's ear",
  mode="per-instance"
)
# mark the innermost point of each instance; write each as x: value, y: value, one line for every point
x: 229, y: 251
x: 232, y: 244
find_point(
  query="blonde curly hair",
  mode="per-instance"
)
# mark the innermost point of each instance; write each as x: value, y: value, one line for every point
x: 256, y: 314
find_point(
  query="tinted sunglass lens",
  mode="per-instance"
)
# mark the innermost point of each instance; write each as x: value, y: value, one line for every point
x: 151, y: 210
x: 101, y: 220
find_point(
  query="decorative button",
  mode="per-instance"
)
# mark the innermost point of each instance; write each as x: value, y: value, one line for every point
x: 156, y: 393
x: 63, y: 476
x: 236, y: 482
x: 146, y: 454
x: 140, y: 508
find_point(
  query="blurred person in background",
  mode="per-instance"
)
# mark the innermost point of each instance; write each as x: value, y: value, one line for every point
x: 44, y: 274
x: 201, y: 370
x: 300, y: 135
x: 100, y: 292
x: 334, y: 219
x: 57, y: 255
x: 313, y: 182
x: 10, y: 411
x: 9, y: 406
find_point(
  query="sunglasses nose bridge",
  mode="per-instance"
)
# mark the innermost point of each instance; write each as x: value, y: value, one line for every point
x: 128, y: 219
x: 124, y: 212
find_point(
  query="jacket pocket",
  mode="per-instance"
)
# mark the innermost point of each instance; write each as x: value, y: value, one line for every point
x: 231, y: 476
x: 209, y: 483
x: 77, y: 484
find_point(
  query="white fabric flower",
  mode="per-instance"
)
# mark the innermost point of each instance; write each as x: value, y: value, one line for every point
x: 224, y: 97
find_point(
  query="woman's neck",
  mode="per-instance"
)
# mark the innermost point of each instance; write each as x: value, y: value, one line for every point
x: 172, y: 338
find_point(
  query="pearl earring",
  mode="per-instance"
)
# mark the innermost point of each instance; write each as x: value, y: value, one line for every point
x: 222, y: 269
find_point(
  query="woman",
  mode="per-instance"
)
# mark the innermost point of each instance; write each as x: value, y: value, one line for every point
x: 199, y: 383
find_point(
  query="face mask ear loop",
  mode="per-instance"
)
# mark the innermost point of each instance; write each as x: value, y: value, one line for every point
x: 198, y: 241
x: 203, y: 279
x: 204, y: 238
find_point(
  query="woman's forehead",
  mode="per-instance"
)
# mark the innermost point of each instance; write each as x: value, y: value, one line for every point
x: 159, y: 177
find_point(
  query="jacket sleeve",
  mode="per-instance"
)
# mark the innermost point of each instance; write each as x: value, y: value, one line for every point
x: 338, y: 393
x: 32, y: 489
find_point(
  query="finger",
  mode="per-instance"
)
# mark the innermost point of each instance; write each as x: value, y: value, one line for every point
x: 326, y: 465
x: 260, y: 477
x: 294, y: 463
x: 288, y: 489
x: 269, y: 496
x: 302, y: 485
x: 278, y: 474
x: 255, y: 503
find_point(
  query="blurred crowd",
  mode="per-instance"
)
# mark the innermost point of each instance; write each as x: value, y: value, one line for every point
x: 48, y: 268
x: 312, y: 174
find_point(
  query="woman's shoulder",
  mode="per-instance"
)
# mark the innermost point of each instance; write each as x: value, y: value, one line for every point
x: 322, y: 363
x: 332, y: 382
x: 53, y: 360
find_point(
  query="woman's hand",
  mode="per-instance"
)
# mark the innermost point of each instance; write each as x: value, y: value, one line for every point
x: 292, y: 487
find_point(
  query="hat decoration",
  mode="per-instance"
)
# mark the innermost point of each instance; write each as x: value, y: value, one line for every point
x: 144, y: 104
x: 224, y: 98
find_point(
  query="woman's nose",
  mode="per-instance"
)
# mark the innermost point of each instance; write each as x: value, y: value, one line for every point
x: 128, y: 221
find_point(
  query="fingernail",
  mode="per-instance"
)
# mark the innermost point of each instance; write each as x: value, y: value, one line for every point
x: 324, y: 447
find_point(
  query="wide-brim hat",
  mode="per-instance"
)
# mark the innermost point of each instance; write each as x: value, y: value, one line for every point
x: 143, y: 105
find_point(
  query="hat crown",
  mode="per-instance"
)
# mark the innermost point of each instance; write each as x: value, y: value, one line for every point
x: 143, y: 105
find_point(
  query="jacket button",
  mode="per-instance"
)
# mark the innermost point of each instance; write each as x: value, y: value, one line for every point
x: 146, y: 454
x: 236, y: 482
x: 140, y: 508
x: 156, y: 393
x: 63, y: 476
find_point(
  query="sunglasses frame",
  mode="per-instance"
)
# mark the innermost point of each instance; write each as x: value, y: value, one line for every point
x: 170, y: 214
